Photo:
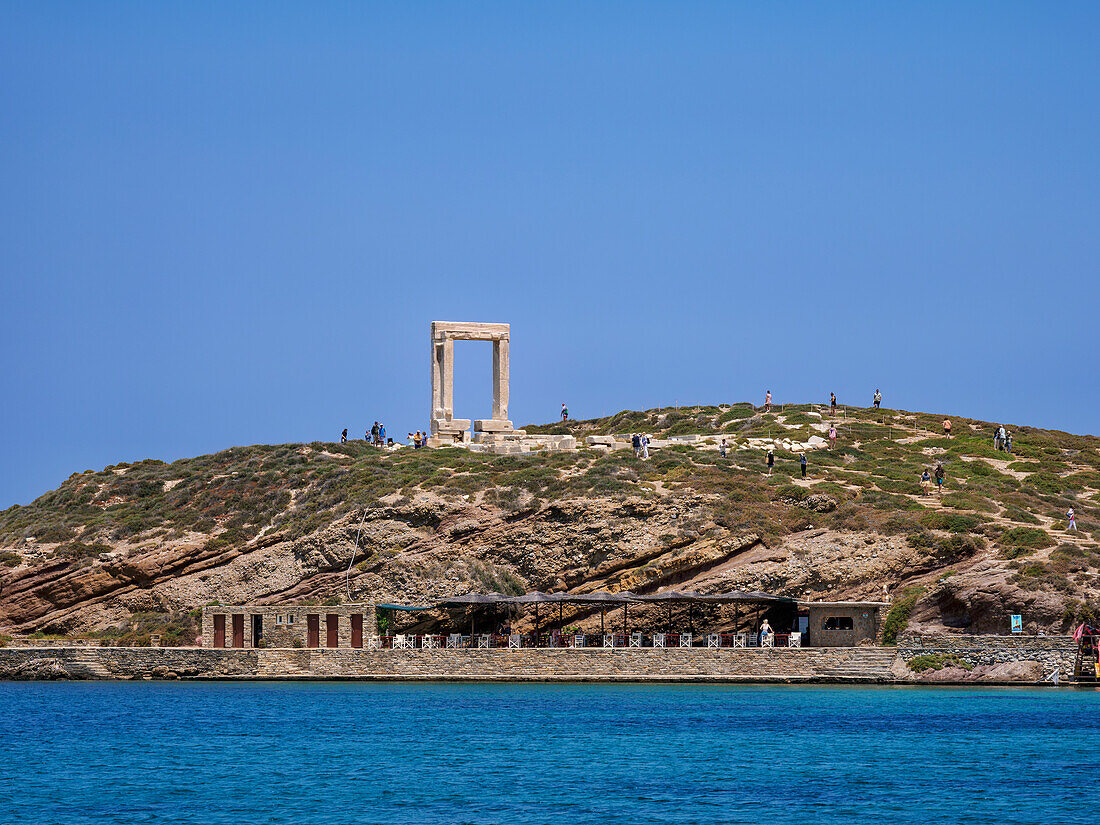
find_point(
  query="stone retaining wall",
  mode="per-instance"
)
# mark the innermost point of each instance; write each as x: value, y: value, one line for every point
x: 858, y: 664
x: 1050, y: 651
x: 698, y: 664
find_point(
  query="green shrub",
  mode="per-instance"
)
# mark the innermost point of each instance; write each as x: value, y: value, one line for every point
x: 937, y: 661
x: 952, y: 522
x: 898, y: 617
x: 791, y: 491
x: 1032, y: 537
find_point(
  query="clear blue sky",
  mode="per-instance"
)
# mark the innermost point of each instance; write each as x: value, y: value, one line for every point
x: 233, y: 223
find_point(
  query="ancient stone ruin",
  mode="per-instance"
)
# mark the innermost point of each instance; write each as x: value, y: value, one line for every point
x: 494, y: 434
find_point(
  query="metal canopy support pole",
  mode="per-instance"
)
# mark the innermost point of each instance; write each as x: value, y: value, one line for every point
x: 691, y: 618
x: 602, y: 611
x: 625, y: 618
x: 670, y: 617
x: 536, y: 624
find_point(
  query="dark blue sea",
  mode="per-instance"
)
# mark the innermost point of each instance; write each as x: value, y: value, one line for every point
x: 449, y: 753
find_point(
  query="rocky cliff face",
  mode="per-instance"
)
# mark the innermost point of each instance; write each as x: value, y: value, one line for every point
x: 271, y: 524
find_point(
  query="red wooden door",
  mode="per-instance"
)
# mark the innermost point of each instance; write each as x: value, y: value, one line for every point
x: 313, y: 629
x: 332, y: 630
x: 219, y: 631
x: 238, y: 631
x: 356, y: 629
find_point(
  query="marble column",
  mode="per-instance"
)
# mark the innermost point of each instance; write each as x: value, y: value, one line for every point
x: 500, y: 380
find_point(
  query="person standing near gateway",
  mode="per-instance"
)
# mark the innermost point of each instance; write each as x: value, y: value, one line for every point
x: 636, y: 443
x: 771, y: 461
x: 878, y: 398
x: 645, y: 445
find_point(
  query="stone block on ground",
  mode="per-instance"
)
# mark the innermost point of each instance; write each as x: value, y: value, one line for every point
x: 492, y: 425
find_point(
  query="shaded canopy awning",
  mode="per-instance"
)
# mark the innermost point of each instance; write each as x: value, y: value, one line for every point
x: 670, y: 596
x: 474, y: 598
x: 601, y: 597
x: 605, y: 597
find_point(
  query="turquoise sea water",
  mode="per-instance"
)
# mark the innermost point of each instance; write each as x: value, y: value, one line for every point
x: 450, y: 753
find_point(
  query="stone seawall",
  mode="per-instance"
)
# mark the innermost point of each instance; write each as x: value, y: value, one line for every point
x: 1051, y: 652
x: 865, y: 664
x: 858, y: 664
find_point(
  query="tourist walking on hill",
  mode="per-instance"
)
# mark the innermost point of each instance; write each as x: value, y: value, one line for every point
x: 645, y: 445
x: 925, y: 482
x: 768, y: 401
x: 1008, y: 442
x: 771, y: 461
x: 947, y: 427
x: 1071, y: 516
x: 802, y: 461
x: 878, y: 398
x: 832, y: 403
x: 382, y: 435
x: 344, y: 436
x: 564, y: 412
x: 832, y: 436
x: 636, y: 443
x: 722, y: 448
x: 374, y: 433
x: 940, y: 474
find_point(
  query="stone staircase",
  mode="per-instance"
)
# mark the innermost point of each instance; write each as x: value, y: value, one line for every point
x: 860, y: 663
x: 86, y: 667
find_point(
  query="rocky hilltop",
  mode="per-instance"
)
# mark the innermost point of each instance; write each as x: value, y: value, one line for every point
x: 134, y: 549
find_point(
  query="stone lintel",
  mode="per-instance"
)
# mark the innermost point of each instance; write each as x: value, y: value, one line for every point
x: 469, y: 331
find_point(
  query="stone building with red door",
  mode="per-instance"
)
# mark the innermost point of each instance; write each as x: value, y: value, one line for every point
x: 306, y: 626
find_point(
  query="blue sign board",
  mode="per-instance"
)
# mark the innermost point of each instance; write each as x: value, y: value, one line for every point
x: 1017, y: 623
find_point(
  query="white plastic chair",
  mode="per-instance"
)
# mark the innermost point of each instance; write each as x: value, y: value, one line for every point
x: 795, y: 640
x: 713, y: 640
x: 658, y: 639
x: 483, y: 641
x: 685, y: 640
x: 453, y: 641
x: 373, y: 643
x: 740, y: 640
x: 402, y: 642
x: 578, y: 640
x: 609, y: 640
x: 767, y: 640
x: 635, y: 639
x: 514, y: 641
x: 429, y: 642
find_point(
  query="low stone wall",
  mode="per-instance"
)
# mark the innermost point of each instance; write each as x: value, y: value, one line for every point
x: 698, y: 664
x: 1051, y: 652
x: 857, y: 664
